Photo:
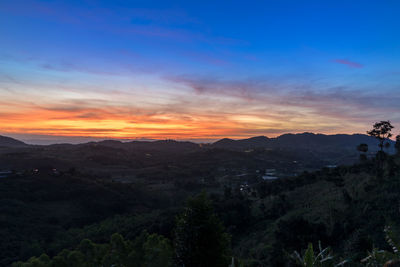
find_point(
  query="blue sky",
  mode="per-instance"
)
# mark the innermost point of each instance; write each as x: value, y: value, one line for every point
x: 130, y: 69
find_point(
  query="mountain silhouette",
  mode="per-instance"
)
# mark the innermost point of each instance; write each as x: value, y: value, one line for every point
x: 253, y: 142
x: 308, y: 141
x: 301, y: 141
x: 10, y: 142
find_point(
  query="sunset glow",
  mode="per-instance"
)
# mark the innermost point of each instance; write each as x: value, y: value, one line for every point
x: 157, y: 71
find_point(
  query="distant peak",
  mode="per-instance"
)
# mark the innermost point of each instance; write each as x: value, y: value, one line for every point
x: 10, y: 142
x: 110, y: 141
x: 261, y: 137
x: 224, y: 139
x: 306, y: 133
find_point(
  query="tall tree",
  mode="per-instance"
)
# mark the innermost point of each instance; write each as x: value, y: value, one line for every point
x: 381, y: 131
x: 200, y: 239
x: 363, y: 148
x: 397, y: 145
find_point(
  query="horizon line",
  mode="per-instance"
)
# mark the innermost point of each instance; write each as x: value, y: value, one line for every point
x: 74, y: 140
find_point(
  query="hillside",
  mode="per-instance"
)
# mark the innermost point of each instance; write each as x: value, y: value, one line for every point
x: 288, y: 154
x: 10, y: 142
x: 303, y: 141
x: 308, y: 141
x: 92, y: 190
x: 346, y: 208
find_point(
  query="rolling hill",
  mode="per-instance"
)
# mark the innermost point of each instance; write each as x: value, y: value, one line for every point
x: 303, y: 141
x: 10, y: 142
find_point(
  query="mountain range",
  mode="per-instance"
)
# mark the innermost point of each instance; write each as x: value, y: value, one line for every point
x: 302, y: 141
x: 308, y: 141
x: 10, y: 142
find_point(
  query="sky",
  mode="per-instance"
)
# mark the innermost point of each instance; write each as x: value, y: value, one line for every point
x: 196, y: 70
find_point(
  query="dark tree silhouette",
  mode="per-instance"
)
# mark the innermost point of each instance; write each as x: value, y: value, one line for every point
x: 397, y: 145
x: 381, y: 131
x: 200, y: 240
x: 363, y: 148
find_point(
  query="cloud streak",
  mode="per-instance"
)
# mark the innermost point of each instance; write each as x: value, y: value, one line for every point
x: 349, y: 63
x: 167, y: 24
x: 204, y: 108
x: 184, y: 106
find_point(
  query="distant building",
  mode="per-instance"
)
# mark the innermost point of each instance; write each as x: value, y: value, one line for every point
x: 5, y: 174
x: 55, y: 172
x: 270, y: 174
x: 331, y: 166
x: 269, y: 177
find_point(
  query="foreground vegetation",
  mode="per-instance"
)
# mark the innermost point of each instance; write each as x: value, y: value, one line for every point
x: 343, y: 216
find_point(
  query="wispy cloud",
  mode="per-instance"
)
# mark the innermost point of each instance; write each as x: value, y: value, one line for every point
x: 145, y: 22
x: 194, y: 106
x: 325, y: 107
x: 349, y: 63
x: 208, y: 85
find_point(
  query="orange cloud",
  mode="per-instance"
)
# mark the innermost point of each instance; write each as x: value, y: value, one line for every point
x: 114, y: 122
x: 200, y: 109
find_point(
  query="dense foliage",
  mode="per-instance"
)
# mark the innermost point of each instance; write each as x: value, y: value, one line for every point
x: 351, y: 210
x: 200, y: 240
x: 199, y: 236
x: 146, y: 250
